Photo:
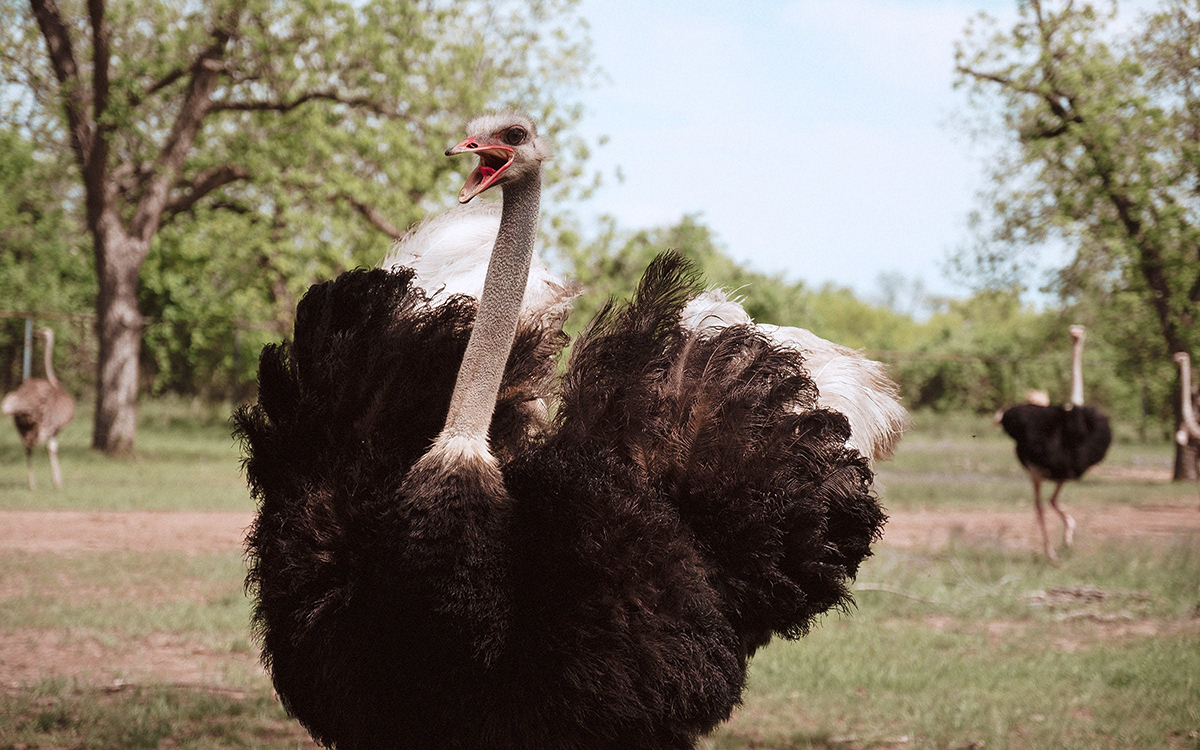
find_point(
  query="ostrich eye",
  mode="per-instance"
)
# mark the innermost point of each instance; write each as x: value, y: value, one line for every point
x: 514, y: 136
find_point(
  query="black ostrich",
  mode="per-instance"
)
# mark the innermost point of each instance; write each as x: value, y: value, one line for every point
x: 1059, y: 443
x: 437, y: 565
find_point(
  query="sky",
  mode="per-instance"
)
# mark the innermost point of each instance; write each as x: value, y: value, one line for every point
x: 815, y: 137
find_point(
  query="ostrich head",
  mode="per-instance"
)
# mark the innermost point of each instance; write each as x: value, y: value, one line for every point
x: 47, y: 333
x: 1181, y: 358
x: 1077, y: 333
x: 509, y: 150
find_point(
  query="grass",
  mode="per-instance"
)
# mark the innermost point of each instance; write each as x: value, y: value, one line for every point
x: 186, y: 459
x: 958, y: 646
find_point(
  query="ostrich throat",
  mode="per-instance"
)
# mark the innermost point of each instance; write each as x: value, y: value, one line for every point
x: 49, y: 361
x: 491, y: 341
x: 1077, y: 374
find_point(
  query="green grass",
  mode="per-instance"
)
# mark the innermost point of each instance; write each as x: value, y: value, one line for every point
x: 961, y: 646
x: 965, y: 650
x: 186, y: 459
x: 59, y: 713
x: 200, y: 595
x: 967, y: 461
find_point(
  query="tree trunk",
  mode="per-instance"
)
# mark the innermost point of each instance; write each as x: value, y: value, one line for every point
x: 1186, y: 467
x: 119, y: 331
x: 1187, y: 457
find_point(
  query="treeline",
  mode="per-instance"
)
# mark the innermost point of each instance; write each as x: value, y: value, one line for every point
x: 211, y: 302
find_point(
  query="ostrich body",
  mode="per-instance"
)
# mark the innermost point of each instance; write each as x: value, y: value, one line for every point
x: 450, y: 253
x: 1059, y: 443
x: 40, y: 408
x: 435, y: 565
x: 1189, y: 428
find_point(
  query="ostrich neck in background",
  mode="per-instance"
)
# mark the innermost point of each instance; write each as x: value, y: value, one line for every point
x: 49, y: 362
x: 474, y: 397
x: 1187, y: 413
x: 1077, y: 374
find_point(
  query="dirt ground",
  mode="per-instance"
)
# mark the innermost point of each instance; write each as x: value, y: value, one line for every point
x: 94, y: 658
x: 66, y: 532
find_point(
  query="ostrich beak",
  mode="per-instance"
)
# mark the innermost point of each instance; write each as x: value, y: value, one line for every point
x: 494, y: 159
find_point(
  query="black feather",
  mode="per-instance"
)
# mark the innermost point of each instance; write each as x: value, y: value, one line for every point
x: 603, y: 588
x: 1060, y: 442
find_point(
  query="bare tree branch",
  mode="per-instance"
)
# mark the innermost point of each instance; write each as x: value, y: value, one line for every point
x: 66, y: 70
x: 202, y: 184
x: 97, y: 164
x: 359, y: 102
x: 202, y: 80
x: 157, y: 86
x: 374, y: 216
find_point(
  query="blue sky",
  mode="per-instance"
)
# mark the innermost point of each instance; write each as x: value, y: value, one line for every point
x: 813, y: 136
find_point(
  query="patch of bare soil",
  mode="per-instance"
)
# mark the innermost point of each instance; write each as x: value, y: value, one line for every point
x: 1073, y: 634
x: 1012, y: 529
x: 65, y: 531
x: 203, y: 532
x: 28, y: 655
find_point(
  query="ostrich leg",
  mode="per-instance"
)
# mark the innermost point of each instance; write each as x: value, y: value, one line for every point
x: 52, y: 449
x: 1068, y: 521
x: 29, y: 466
x: 1041, y: 516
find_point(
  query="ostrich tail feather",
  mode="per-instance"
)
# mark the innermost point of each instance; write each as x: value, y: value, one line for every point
x: 725, y: 422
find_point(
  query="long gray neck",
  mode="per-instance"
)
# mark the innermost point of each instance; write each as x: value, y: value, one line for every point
x: 1077, y: 373
x: 475, y: 391
x: 1187, y: 413
x: 50, y: 363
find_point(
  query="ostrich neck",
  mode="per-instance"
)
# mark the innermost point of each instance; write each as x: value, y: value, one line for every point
x: 49, y: 363
x: 1187, y: 413
x: 1077, y: 374
x: 475, y: 391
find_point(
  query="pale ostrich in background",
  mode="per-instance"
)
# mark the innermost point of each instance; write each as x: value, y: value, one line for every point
x: 1059, y: 443
x: 1189, y: 428
x: 594, y: 581
x: 450, y: 253
x: 40, y: 408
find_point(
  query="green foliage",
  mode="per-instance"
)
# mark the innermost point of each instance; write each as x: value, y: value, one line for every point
x: 1100, y: 157
x: 45, y: 269
x: 322, y: 138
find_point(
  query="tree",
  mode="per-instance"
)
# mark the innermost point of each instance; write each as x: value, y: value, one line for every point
x: 314, y: 114
x: 43, y: 267
x: 1104, y: 158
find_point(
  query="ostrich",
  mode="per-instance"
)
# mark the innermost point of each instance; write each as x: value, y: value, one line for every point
x: 449, y: 254
x: 435, y: 565
x: 40, y: 408
x: 1189, y: 429
x: 1059, y: 443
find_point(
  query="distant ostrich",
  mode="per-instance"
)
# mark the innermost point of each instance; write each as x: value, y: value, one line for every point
x: 1059, y: 443
x: 449, y: 254
x: 40, y: 408
x: 435, y: 565
x: 1189, y: 430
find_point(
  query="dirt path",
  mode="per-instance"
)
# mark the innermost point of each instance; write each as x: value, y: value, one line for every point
x: 27, y: 655
x: 220, y: 532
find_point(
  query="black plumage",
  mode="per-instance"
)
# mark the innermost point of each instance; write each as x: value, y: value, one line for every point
x: 1059, y: 442
x: 604, y: 588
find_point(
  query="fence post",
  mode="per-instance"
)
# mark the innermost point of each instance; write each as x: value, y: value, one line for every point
x: 27, y: 362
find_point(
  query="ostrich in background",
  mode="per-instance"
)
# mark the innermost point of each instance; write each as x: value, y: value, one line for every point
x: 1189, y: 428
x: 450, y: 252
x: 1059, y: 443
x: 435, y: 564
x: 40, y: 408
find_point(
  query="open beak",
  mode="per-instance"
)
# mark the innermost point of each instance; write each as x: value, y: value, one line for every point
x: 493, y: 160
